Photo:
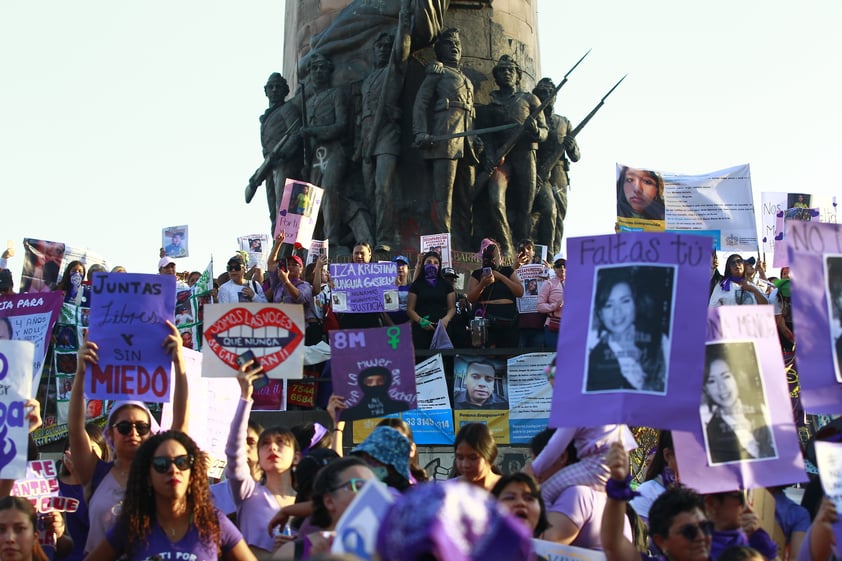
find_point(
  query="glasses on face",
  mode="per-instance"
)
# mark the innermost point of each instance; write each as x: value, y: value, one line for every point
x: 559, y: 265
x: 235, y: 267
x: 736, y: 261
x: 354, y: 484
x: 162, y: 464
x: 125, y: 427
x: 691, y: 531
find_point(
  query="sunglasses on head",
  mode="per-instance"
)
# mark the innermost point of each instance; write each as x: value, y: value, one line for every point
x: 691, y: 531
x: 125, y: 427
x: 161, y: 464
x: 355, y: 485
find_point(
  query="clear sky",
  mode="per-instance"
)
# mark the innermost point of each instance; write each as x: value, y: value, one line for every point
x: 120, y: 118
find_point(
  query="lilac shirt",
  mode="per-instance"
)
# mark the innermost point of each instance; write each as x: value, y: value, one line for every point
x: 104, y: 504
x: 255, y: 503
x: 188, y: 548
x: 588, y: 441
x: 584, y: 506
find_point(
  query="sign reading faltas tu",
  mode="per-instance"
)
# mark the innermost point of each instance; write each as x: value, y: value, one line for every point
x: 128, y: 322
x: 273, y: 332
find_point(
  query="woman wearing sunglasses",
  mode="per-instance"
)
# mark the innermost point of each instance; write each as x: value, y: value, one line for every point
x: 335, y: 487
x: 168, y: 511
x: 677, y: 522
x: 129, y: 425
x: 735, y: 288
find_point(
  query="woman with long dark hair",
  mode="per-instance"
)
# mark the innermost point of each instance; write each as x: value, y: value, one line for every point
x: 640, y: 194
x: 431, y: 301
x: 493, y: 290
x: 629, y: 354
x: 18, y: 523
x: 735, y: 288
x: 168, y: 509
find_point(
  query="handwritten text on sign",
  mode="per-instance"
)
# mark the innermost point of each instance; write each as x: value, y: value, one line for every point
x: 128, y: 322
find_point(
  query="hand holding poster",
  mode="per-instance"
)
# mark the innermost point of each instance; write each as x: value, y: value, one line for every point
x: 625, y: 363
x: 298, y: 212
x: 16, y: 385
x: 364, y: 287
x: 532, y: 277
x: 273, y: 332
x: 829, y: 460
x: 257, y: 246
x: 744, y: 436
x: 128, y: 322
x: 374, y: 370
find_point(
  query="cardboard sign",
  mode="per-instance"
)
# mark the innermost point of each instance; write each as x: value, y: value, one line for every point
x: 15, y: 390
x: 364, y: 287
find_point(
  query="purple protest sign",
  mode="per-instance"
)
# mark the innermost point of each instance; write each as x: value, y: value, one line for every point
x: 364, y: 287
x: 374, y: 370
x: 622, y: 360
x: 31, y: 317
x: 744, y: 435
x: 815, y: 252
x: 128, y: 323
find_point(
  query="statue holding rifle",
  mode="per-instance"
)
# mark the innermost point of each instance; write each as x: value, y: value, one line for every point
x: 380, y: 127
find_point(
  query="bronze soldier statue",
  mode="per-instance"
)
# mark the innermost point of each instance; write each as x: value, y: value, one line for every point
x: 444, y: 106
x: 380, y: 127
x: 512, y: 185
x: 554, y: 157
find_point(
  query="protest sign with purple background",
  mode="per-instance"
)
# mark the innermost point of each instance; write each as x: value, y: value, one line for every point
x: 631, y: 296
x: 298, y: 211
x: 30, y: 317
x: 374, y: 370
x: 364, y: 287
x: 128, y: 322
x: 744, y: 435
x: 16, y: 385
x: 815, y: 251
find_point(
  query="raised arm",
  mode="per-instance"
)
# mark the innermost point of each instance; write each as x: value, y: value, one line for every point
x: 237, y: 471
x: 180, y: 403
x: 615, y: 544
x: 84, y: 458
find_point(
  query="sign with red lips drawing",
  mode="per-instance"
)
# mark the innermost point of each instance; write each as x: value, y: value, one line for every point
x: 273, y: 332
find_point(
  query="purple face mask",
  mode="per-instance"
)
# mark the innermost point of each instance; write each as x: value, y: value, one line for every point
x: 431, y: 271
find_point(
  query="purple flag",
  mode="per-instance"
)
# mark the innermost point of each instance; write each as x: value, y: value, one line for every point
x: 127, y: 321
x: 744, y: 435
x: 374, y: 370
x: 631, y: 343
x: 815, y: 252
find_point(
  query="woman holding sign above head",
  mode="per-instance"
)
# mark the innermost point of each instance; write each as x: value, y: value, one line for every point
x: 168, y: 512
x: 431, y: 301
x: 277, y: 450
x: 129, y: 425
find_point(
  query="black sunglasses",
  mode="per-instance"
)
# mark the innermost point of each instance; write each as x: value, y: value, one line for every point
x: 125, y: 427
x: 235, y: 267
x: 691, y: 531
x: 161, y: 464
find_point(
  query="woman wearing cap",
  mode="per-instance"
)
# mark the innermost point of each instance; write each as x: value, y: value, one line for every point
x: 387, y: 452
x: 551, y: 301
x: 237, y: 289
x: 168, y: 512
x: 129, y: 425
x: 335, y: 487
x: 493, y: 289
x: 431, y: 301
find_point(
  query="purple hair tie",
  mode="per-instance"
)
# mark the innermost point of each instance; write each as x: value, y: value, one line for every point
x: 620, y: 490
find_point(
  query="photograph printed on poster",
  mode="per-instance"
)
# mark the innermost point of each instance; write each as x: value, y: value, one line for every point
x: 479, y: 384
x: 733, y: 410
x: 631, y: 329
x: 833, y: 274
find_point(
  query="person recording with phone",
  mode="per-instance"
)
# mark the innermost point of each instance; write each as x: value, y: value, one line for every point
x: 493, y: 289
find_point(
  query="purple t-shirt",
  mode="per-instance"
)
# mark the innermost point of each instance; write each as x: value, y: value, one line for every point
x: 188, y: 548
x: 584, y: 506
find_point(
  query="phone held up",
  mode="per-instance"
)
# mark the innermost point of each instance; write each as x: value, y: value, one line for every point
x: 246, y: 357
